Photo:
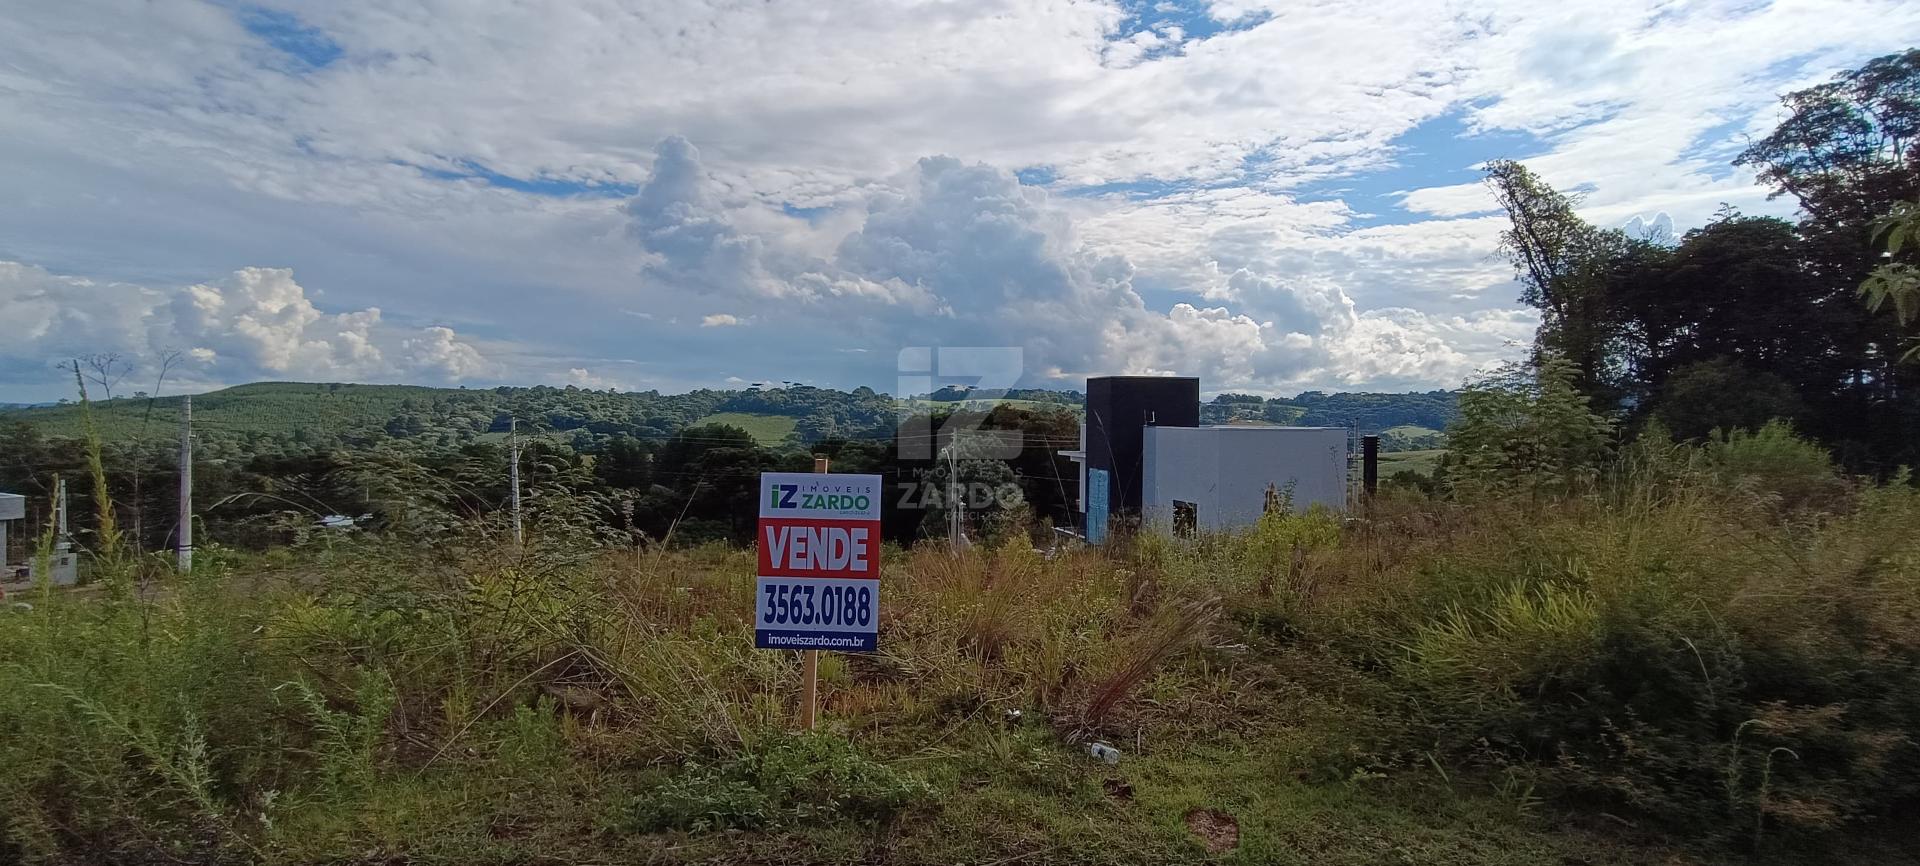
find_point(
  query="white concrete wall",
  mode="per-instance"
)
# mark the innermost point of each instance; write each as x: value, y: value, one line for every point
x: 1178, y: 463
x: 1225, y: 471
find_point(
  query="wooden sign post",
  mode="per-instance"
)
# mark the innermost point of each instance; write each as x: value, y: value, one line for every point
x: 810, y: 659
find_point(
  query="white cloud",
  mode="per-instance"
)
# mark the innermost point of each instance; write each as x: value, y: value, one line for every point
x: 257, y: 323
x: 440, y: 355
x: 719, y: 320
x: 1458, y: 200
x: 583, y: 378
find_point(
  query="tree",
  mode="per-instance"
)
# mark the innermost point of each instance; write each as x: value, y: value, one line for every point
x: 626, y: 462
x: 1741, y: 288
x: 974, y: 480
x: 1722, y: 395
x: 1849, y: 152
x: 1526, y: 428
x: 1847, y: 148
x: 1567, y: 269
x: 105, y: 369
x: 710, y: 473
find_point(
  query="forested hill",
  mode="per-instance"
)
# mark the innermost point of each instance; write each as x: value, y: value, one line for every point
x: 322, y: 415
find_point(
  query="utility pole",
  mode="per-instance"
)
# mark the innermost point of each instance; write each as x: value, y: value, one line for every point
x: 185, y: 532
x: 513, y: 474
x: 59, y: 510
x: 953, y: 493
x: 1370, y: 466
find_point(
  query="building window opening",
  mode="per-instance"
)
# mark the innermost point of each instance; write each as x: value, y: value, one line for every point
x: 1186, y: 519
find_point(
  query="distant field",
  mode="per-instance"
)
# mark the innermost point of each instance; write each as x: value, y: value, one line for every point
x: 766, y: 429
x: 1409, y: 430
x: 1411, y: 439
x: 1423, y: 462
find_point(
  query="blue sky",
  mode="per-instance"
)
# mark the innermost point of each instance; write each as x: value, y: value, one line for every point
x: 1275, y: 196
x: 302, y: 43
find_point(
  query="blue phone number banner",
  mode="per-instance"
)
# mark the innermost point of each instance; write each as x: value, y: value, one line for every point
x: 816, y: 613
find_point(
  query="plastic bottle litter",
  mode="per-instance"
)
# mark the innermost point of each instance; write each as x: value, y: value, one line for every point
x: 1104, y: 752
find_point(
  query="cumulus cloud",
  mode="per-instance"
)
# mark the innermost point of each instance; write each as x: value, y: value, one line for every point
x: 678, y: 219
x: 256, y: 323
x: 1002, y: 263
x: 582, y: 377
x: 719, y: 320
x: 438, y: 354
x: 56, y: 316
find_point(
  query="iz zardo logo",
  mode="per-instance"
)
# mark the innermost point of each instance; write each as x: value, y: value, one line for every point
x: 790, y: 496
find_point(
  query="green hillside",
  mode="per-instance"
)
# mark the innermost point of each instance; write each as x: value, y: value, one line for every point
x: 293, y: 409
x: 1432, y: 410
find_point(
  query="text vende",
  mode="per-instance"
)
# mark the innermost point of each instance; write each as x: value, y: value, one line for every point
x: 818, y: 548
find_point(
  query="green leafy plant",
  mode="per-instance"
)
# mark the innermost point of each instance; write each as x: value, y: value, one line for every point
x: 1896, y: 284
x: 1527, y: 429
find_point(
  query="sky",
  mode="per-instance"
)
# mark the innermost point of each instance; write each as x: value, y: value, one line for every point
x: 1272, y: 195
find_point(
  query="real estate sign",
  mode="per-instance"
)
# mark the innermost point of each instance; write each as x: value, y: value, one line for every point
x: 819, y: 549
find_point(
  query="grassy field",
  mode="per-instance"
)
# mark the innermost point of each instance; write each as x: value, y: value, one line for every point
x: 766, y: 429
x: 1423, y: 462
x: 1681, y: 666
x: 1410, y: 431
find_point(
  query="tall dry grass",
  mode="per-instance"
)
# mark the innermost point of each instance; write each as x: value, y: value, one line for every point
x: 1706, y: 635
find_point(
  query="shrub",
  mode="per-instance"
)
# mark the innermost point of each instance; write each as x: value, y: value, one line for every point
x: 1678, y: 654
x: 812, y: 777
x: 1789, y: 473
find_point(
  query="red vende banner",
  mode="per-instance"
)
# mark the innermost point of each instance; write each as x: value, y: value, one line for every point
x: 808, y: 547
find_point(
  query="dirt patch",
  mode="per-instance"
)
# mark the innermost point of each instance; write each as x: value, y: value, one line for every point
x: 1118, y: 789
x: 1217, y: 830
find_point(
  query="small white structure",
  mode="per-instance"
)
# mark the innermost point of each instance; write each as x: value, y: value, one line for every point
x: 63, y: 564
x: 1215, y: 478
x: 12, y: 507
